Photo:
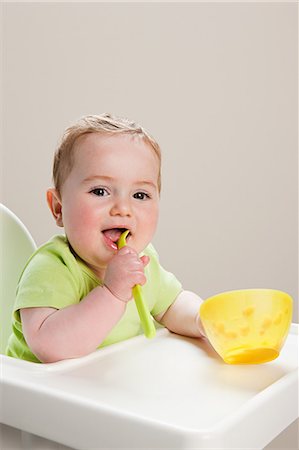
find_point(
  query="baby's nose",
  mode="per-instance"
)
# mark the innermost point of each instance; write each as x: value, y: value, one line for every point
x: 121, y: 207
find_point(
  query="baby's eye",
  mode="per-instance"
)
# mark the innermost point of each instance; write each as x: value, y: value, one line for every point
x: 100, y: 192
x: 141, y: 196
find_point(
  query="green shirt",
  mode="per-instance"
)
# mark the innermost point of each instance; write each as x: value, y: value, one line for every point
x: 55, y: 277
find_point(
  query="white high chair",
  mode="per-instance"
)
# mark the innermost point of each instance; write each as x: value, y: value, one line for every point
x: 16, y: 244
x: 171, y: 392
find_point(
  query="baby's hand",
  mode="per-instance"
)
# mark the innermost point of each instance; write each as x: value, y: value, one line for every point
x: 124, y: 271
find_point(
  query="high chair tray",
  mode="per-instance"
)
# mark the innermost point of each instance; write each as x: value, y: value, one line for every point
x: 171, y: 392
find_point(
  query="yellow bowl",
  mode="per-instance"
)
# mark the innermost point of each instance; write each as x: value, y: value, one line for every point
x: 247, y: 326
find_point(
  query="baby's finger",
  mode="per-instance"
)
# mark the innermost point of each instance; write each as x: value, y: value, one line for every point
x: 145, y: 260
x: 126, y: 250
x: 139, y: 278
x: 135, y: 266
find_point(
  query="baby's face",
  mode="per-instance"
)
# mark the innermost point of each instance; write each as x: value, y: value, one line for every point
x: 113, y: 185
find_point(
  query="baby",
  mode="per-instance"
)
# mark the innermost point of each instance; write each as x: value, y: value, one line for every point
x: 75, y: 293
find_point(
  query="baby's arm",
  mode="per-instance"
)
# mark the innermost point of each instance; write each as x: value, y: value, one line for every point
x: 182, y: 317
x: 79, y: 329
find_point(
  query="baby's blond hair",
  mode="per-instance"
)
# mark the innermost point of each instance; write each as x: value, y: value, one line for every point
x: 103, y: 123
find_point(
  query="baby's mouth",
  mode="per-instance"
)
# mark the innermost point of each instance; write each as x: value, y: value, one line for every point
x: 112, y: 235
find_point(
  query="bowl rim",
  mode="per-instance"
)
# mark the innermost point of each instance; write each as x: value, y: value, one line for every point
x: 239, y: 291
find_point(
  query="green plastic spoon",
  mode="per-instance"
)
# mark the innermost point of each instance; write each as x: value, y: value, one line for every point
x: 145, y: 317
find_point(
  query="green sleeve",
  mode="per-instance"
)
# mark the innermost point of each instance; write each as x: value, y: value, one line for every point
x: 50, y: 279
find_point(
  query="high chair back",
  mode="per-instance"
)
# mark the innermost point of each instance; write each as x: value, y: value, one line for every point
x: 16, y: 245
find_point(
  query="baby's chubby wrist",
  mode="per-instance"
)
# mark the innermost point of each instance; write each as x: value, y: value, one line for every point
x: 106, y: 297
x: 115, y: 295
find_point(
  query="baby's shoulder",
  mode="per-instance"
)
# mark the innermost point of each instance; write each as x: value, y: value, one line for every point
x: 53, y: 253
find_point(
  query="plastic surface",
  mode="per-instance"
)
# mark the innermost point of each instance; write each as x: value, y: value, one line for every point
x: 247, y: 326
x: 144, y: 314
x: 16, y: 246
x: 170, y: 392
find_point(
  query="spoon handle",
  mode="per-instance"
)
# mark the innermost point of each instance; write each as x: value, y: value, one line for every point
x: 144, y: 314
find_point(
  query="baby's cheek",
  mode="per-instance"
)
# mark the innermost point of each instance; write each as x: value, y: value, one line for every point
x: 153, y: 221
x: 148, y: 230
x: 83, y: 217
x: 81, y: 232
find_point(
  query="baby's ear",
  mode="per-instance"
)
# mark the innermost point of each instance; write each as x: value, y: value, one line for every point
x: 55, y: 205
